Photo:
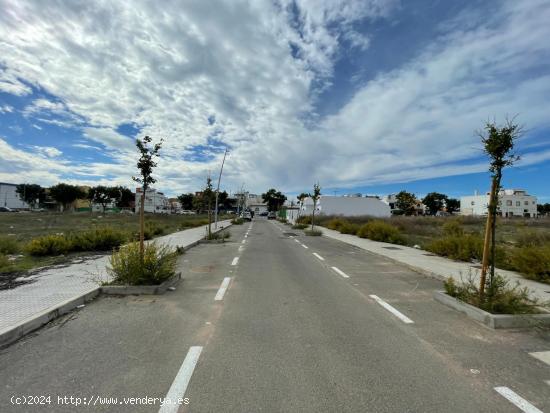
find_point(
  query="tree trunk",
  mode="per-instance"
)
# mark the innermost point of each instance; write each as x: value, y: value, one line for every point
x: 142, y: 225
x: 494, y: 227
x: 313, y: 217
x: 488, y: 228
x: 209, y: 217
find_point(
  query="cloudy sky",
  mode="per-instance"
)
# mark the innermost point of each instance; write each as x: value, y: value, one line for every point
x: 369, y: 95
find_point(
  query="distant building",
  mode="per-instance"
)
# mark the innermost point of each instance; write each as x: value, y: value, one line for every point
x: 347, y: 206
x: 512, y: 203
x: 391, y: 200
x: 255, y: 203
x: 155, y: 202
x: 10, y: 198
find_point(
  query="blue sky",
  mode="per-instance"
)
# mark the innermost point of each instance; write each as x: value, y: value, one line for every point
x: 368, y: 96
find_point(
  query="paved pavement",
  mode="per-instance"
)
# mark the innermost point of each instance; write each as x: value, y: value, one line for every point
x: 272, y: 321
x: 56, y: 285
x: 427, y: 263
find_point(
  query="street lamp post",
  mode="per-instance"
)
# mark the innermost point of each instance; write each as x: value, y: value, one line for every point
x: 218, y: 192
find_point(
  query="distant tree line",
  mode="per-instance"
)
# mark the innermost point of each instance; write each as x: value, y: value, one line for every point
x: 200, y: 201
x: 434, y: 202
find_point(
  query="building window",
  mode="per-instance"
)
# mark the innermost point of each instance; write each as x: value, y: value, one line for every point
x: 518, y: 203
x: 473, y: 203
x: 526, y: 203
x: 508, y: 203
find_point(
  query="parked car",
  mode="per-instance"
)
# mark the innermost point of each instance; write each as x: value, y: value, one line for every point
x: 271, y: 215
x: 187, y: 212
x: 6, y: 209
x: 246, y: 215
x: 264, y: 214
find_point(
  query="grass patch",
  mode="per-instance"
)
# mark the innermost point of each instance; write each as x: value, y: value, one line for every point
x: 458, y: 247
x: 300, y: 226
x: 381, y: 231
x: 532, y: 261
x: 237, y: 221
x: 313, y: 232
x: 221, y: 235
x: 8, y: 245
x: 500, y: 296
x: 127, y: 268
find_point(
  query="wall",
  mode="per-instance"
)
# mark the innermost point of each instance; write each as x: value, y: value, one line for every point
x: 10, y: 198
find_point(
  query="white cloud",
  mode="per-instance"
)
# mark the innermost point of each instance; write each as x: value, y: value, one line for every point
x: 6, y: 109
x: 49, y: 151
x: 259, y: 70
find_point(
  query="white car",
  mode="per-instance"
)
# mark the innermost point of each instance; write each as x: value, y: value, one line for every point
x: 246, y: 215
x: 187, y: 212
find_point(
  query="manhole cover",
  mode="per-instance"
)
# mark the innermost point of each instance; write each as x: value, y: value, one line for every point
x: 392, y: 248
x: 290, y: 234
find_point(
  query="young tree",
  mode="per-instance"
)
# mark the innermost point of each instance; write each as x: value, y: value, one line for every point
x: 145, y: 165
x: 435, y: 202
x: 315, y: 197
x: 209, y: 196
x: 32, y: 194
x: 301, y: 198
x: 186, y: 201
x: 498, y: 143
x: 452, y: 205
x: 274, y: 199
x: 406, y: 202
x: 66, y: 194
x: 102, y: 195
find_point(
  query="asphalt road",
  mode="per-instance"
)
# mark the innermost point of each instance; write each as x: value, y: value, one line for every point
x: 327, y: 328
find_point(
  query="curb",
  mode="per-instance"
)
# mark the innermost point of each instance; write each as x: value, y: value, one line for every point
x: 142, y: 289
x: 494, y: 321
x: 12, y: 334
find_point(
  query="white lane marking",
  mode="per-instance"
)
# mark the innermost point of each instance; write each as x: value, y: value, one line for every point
x: 243, y: 241
x: 297, y: 240
x: 223, y: 289
x: 339, y: 271
x: 235, y: 261
x: 318, y: 256
x: 517, y: 400
x: 241, y: 248
x: 246, y: 236
x: 543, y: 356
x: 180, y: 383
x: 305, y: 246
x: 392, y: 310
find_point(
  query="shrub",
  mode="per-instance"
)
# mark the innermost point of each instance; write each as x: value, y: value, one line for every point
x: 463, y: 248
x: 349, y: 228
x: 381, y: 231
x: 221, y: 235
x: 237, y: 221
x: 313, y: 233
x: 8, y: 245
x: 127, y: 268
x: 4, y: 263
x: 300, y: 226
x: 49, y: 245
x: 532, y: 261
x: 306, y: 219
x: 500, y: 297
x: 336, y: 223
x: 453, y: 228
x: 97, y: 239
x: 532, y: 238
x: 152, y: 230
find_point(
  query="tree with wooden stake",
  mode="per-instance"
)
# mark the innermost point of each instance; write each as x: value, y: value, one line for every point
x: 207, y: 196
x: 315, y: 197
x: 498, y: 144
x: 145, y: 165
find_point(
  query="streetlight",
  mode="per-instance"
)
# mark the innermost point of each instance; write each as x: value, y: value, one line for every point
x: 218, y: 192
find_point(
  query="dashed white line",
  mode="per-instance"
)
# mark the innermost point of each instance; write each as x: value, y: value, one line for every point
x: 543, y: 356
x: 305, y: 246
x: 180, y: 383
x: 297, y: 240
x: 392, y: 310
x: 223, y: 289
x: 318, y: 256
x: 241, y: 248
x: 339, y: 271
x: 517, y: 400
x: 243, y: 241
x: 235, y: 261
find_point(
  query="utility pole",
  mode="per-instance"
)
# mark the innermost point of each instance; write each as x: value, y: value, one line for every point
x: 218, y: 191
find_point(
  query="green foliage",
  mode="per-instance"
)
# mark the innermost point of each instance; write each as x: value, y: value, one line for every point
x: 453, y: 228
x: 406, y: 202
x: 48, y: 245
x: 186, y: 201
x: 498, y: 144
x: 221, y: 235
x: 31, y: 193
x: 336, y: 223
x: 274, y: 199
x: 128, y: 268
x: 304, y: 219
x: 458, y: 247
x: 435, y: 202
x: 152, y: 230
x: 499, y: 298
x: 66, y: 194
x: 532, y: 261
x: 4, y: 263
x: 237, y: 221
x: 350, y: 228
x: 97, y: 239
x: 300, y: 226
x: 313, y: 232
x: 381, y: 231
x: 530, y: 238
x: 8, y: 245
x: 146, y: 162
x: 452, y: 205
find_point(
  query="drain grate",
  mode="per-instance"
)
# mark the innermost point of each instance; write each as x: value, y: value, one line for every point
x: 290, y: 234
x: 392, y: 248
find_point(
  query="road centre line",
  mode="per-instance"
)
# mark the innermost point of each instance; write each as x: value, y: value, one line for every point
x: 391, y: 309
x: 517, y: 400
x: 318, y: 256
x: 297, y: 240
x: 339, y: 271
x: 223, y: 289
x: 180, y: 383
x: 235, y: 261
x: 241, y: 248
x: 305, y: 246
x: 243, y: 241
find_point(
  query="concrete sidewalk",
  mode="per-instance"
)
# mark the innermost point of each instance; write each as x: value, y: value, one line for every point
x: 29, y: 306
x: 433, y: 265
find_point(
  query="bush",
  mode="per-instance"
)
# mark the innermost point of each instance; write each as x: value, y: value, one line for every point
x: 500, y: 297
x: 97, y: 239
x: 221, y: 235
x: 532, y: 261
x: 300, y: 226
x: 49, y: 245
x: 151, y: 230
x: 453, y: 228
x: 381, y: 231
x: 306, y: 219
x: 463, y: 248
x: 8, y: 245
x: 4, y: 263
x: 313, y: 233
x: 350, y: 228
x: 127, y: 268
x: 532, y: 238
x: 237, y: 221
x: 336, y: 223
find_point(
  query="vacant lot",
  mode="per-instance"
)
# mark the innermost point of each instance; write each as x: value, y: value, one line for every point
x: 18, y: 229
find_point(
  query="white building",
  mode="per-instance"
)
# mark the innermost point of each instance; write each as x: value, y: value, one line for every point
x: 155, y: 202
x: 347, y: 206
x: 256, y: 204
x: 512, y: 203
x: 10, y: 198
